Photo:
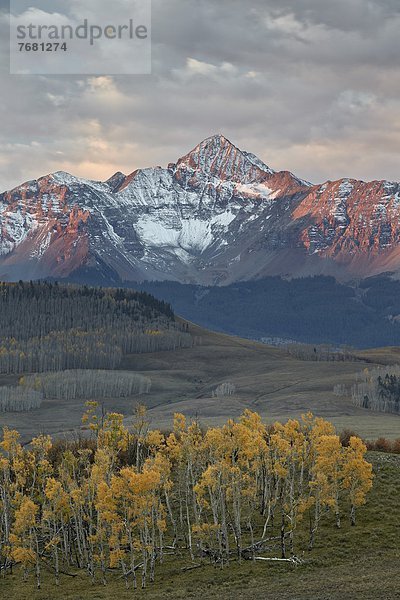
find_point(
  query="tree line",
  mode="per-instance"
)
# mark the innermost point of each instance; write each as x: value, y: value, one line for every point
x: 35, y: 309
x: 119, y: 502
x: 320, y: 352
x: 86, y: 384
x: 15, y: 399
x: 50, y: 327
x: 71, y: 385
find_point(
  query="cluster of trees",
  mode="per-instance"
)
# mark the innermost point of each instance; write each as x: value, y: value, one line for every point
x: 14, y: 399
x: 340, y: 390
x: 60, y: 350
x: 378, y: 389
x: 35, y: 309
x: 49, y: 327
x: 234, y: 492
x: 224, y: 389
x: 86, y: 384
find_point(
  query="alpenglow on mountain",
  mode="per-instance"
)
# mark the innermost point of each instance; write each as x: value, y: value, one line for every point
x: 216, y: 216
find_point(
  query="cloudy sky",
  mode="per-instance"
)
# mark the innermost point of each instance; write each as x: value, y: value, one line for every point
x: 312, y: 86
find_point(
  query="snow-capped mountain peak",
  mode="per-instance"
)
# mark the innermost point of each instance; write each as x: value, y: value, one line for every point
x: 216, y: 215
x: 218, y: 157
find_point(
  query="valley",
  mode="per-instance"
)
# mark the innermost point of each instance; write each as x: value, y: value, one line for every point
x: 313, y: 310
x: 267, y: 380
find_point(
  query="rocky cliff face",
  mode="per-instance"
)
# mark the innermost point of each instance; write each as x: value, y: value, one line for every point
x: 215, y: 216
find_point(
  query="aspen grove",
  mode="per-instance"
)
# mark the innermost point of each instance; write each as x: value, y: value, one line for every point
x: 51, y: 327
x: 121, y: 500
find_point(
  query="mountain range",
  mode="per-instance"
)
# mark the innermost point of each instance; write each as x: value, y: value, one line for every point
x: 218, y: 215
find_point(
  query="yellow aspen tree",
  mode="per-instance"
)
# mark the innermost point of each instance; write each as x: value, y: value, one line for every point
x: 113, y: 525
x: 314, y: 428
x: 5, y: 511
x: 280, y: 449
x: 184, y: 448
x: 56, y: 513
x: 329, y: 464
x: 291, y: 458
x: 213, y: 482
x: 140, y: 427
x: 24, y: 537
x: 113, y: 435
x: 13, y: 479
x: 91, y: 418
x: 40, y: 464
x: 74, y: 473
x: 137, y: 496
x: 101, y: 470
x: 357, y: 475
x: 213, y: 537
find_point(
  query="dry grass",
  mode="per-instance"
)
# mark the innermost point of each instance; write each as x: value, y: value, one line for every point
x: 266, y: 378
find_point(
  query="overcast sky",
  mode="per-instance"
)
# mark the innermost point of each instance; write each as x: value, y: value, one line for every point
x: 312, y: 86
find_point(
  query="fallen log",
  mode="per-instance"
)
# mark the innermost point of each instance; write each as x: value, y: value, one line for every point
x: 191, y: 567
x: 293, y: 559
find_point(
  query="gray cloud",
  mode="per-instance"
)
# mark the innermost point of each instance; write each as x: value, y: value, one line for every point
x: 310, y: 86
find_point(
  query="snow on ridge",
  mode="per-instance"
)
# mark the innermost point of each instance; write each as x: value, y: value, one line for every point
x: 64, y: 178
x: 302, y: 181
x: 258, y: 162
x: 346, y: 187
x: 254, y: 189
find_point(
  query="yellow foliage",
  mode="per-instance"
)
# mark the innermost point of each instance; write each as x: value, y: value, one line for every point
x: 212, y: 485
x: 26, y: 556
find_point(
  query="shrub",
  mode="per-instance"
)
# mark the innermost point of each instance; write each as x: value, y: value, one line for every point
x: 345, y: 436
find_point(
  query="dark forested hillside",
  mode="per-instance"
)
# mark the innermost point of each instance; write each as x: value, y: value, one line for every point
x: 35, y: 309
x: 51, y: 327
x: 311, y: 310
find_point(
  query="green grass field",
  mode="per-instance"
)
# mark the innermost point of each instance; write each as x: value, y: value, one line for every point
x: 359, y: 562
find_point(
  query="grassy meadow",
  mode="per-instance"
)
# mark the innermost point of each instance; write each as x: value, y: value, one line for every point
x: 349, y: 563
x: 267, y: 380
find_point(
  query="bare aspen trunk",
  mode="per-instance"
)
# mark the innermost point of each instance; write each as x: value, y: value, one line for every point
x: 171, y: 516
x: 314, y: 525
x: 38, y: 583
x: 283, y: 542
x: 338, y: 521
x: 353, y: 515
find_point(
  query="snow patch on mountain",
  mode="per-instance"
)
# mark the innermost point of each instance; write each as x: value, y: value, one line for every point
x: 15, y: 229
x: 255, y: 190
x: 193, y: 235
x: 42, y: 245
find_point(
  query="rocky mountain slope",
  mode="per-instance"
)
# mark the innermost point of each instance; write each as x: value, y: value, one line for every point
x: 216, y: 216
